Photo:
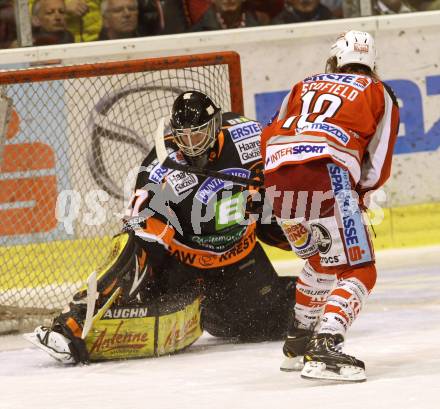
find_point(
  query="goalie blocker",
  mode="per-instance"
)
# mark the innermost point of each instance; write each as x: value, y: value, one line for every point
x: 146, y: 311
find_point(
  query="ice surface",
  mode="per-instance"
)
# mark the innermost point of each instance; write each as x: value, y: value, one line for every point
x: 398, y: 337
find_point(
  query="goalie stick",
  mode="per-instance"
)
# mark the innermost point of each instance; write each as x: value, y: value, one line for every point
x: 167, y: 162
x: 92, y: 295
x: 59, y: 346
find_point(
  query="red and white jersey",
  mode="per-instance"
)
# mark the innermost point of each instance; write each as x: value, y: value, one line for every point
x: 351, y: 119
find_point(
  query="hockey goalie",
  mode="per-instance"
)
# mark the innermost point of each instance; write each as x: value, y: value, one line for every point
x: 187, y: 258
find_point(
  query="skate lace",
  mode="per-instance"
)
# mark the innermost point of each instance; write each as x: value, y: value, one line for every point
x: 336, y: 348
x: 45, y: 338
x: 331, y: 345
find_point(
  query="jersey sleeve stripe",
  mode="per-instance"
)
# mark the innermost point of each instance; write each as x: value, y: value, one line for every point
x: 377, y: 165
x: 158, y: 231
x: 283, y: 109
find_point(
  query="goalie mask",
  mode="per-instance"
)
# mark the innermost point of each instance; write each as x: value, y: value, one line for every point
x: 354, y: 47
x: 195, y: 123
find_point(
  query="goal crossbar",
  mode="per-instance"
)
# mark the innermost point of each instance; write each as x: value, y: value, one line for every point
x: 231, y: 58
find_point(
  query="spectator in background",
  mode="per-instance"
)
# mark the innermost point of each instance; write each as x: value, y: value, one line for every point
x: 417, y: 5
x: 335, y: 6
x: 8, y: 33
x: 151, y: 19
x: 433, y: 5
x: 176, y: 18
x: 390, y: 7
x: 423, y: 5
x: 195, y: 9
x: 119, y: 19
x: 264, y: 10
x: 49, y: 23
x: 296, y: 11
x: 225, y: 14
x: 181, y: 15
x: 83, y: 18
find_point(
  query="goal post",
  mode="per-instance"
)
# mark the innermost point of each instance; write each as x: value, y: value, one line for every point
x: 73, y: 142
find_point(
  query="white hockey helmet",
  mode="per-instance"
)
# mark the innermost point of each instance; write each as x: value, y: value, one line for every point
x: 354, y: 47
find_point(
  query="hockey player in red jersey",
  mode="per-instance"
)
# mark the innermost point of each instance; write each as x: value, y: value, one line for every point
x: 330, y: 143
x: 187, y: 259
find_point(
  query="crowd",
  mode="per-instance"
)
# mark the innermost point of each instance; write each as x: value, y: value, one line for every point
x: 66, y: 21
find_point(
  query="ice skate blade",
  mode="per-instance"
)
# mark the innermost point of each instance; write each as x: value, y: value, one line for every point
x: 317, y: 370
x: 60, y: 356
x: 292, y: 364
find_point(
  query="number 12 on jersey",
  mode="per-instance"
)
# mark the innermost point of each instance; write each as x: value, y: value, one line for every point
x: 314, y: 109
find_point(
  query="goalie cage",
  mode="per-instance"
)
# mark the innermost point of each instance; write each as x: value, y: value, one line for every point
x: 71, y: 145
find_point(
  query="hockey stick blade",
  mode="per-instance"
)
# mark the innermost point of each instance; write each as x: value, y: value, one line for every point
x: 92, y: 295
x: 91, y: 320
x: 165, y: 161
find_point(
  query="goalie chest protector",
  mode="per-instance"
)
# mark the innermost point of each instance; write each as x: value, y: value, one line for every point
x: 209, y: 211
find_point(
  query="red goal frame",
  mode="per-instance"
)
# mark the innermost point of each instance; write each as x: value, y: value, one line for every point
x: 229, y: 58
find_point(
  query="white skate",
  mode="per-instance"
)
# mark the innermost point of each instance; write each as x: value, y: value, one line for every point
x: 51, y: 342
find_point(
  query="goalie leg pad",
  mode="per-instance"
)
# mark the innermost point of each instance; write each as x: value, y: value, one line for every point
x: 120, y: 279
x: 166, y: 325
x: 126, y: 266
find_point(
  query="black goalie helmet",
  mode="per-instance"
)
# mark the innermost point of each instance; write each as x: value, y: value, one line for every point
x: 195, y: 123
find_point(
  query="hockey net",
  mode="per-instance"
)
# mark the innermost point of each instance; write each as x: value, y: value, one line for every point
x: 71, y: 141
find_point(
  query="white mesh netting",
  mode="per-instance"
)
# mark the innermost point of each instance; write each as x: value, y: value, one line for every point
x: 79, y: 140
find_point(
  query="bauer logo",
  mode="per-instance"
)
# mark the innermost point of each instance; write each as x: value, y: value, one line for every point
x: 244, y: 131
